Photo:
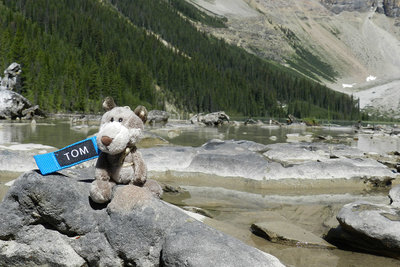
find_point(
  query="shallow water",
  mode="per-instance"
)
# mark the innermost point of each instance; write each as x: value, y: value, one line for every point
x: 236, y: 204
x: 57, y: 133
x: 189, y: 135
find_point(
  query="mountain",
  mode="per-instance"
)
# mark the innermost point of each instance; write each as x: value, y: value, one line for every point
x: 352, y: 46
x: 154, y: 52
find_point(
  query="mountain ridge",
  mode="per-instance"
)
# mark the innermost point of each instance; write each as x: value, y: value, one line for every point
x: 340, y: 43
x: 74, y: 53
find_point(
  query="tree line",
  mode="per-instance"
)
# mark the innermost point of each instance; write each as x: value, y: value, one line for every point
x: 75, y: 52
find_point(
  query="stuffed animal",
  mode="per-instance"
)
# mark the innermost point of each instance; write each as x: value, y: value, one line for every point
x: 119, y: 161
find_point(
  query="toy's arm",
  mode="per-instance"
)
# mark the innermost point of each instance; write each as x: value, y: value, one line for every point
x: 140, y: 169
x: 101, y: 171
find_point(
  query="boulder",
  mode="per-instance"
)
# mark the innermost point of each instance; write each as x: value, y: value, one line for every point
x: 251, y: 121
x: 14, y: 105
x: 157, y: 116
x: 211, y: 119
x: 35, y: 245
x: 292, y: 119
x: 48, y: 219
x: 369, y: 227
x: 195, y: 244
x: 11, y: 80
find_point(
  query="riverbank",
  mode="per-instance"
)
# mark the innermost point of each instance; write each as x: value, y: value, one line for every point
x: 233, y: 182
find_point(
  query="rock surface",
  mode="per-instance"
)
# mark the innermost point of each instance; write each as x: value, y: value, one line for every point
x: 14, y: 105
x: 19, y: 158
x: 390, y: 8
x: 369, y: 227
x: 211, y: 119
x: 280, y: 161
x: 338, y: 6
x: 157, y: 116
x: 394, y: 195
x: 10, y: 81
x: 50, y: 219
x: 287, y: 233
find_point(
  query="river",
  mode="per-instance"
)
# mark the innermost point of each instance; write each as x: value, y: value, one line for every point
x: 234, y: 208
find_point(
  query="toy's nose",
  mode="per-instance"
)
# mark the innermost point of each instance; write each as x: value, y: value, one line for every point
x: 106, y: 140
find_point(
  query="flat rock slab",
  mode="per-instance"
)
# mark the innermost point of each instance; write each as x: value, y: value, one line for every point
x: 296, y: 153
x: 51, y: 220
x: 289, y: 234
x: 222, y: 158
x: 19, y: 158
x: 374, y: 228
x: 250, y: 160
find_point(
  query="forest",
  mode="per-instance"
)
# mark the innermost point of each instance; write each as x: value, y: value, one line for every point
x: 73, y: 53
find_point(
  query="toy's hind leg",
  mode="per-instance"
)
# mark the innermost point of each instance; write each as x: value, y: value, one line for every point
x: 100, y: 191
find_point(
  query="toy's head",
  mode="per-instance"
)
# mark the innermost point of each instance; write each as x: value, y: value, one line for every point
x: 120, y: 128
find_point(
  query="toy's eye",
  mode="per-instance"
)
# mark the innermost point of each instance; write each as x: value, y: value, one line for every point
x: 112, y: 119
x: 120, y: 120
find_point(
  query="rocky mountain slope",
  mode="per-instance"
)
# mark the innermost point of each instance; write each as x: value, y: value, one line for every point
x: 349, y: 45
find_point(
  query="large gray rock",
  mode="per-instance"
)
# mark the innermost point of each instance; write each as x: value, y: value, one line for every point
x: 35, y: 245
x: 157, y: 116
x: 11, y: 81
x: 48, y: 219
x: 195, y: 244
x: 373, y: 228
x: 210, y: 119
x: 14, y: 105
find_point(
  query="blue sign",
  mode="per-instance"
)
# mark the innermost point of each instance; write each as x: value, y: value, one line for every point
x: 68, y: 156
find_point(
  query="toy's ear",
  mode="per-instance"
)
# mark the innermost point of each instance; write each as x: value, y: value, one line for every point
x: 141, y: 112
x: 108, y: 103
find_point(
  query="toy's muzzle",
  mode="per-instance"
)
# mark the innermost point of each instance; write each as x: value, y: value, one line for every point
x: 106, y: 140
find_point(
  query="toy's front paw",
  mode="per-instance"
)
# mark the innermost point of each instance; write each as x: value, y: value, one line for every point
x: 100, y: 191
x: 153, y: 187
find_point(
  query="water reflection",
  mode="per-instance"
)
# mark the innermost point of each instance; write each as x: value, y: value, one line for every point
x: 265, y: 134
x: 57, y: 133
x: 60, y: 133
